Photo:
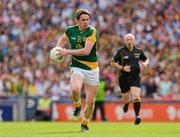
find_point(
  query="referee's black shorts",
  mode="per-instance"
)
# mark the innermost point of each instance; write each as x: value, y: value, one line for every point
x: 127, y: 81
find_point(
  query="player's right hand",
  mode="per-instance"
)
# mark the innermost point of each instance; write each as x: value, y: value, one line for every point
x: 127, y: 68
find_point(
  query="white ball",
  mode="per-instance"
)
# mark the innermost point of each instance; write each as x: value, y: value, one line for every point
x: 55, y: 57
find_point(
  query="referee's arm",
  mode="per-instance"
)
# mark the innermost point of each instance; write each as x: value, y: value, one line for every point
x: 144, y: 60
x: 116, y: 60
x: 145, y: 64
x: 116, y: 65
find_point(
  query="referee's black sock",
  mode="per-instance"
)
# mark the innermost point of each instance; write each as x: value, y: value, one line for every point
x: 126, y: 104
x: 137, y: 106
x: 125, y: 108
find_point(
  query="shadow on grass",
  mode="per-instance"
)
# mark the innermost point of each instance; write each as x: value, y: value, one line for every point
x: 59, y: 133
x: 62, y: 132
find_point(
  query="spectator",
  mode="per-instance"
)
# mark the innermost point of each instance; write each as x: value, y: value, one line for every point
x: 28, y: 31
x: 43, y: 112
x: 165, y: 85
x: 100, y: 100
x: 149, y: 88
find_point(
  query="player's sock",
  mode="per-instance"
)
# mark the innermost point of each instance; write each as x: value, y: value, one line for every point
x: 125, y: 108
x: 88, y: 111
x: 76, y: 97
x: 87, y: 115
x: 78, y: 103
x: 76, y: 115
x: 85, y: 121
x: 137, y: 106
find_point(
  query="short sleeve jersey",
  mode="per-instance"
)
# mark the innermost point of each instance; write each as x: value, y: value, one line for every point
x: 125, y: 57
x: 77, y: 40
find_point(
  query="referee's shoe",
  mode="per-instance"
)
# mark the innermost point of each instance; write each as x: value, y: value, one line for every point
x: 137, y: 120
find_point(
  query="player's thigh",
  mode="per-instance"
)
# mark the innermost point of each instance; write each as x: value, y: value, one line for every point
x: 91, y: 91
x: 76, y: 79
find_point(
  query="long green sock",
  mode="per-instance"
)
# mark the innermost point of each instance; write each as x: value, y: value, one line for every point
x: 76, y: 99
x: 87, y: 114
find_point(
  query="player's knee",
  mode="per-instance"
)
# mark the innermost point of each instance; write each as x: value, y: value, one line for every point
x: 136, y: 95
x: 76, y: 89
x: 126, y: 97
x: 136, y: 98
x: 90, y: 102
x: 125, y: 100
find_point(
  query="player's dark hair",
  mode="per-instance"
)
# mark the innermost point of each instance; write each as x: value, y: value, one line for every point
x: 79, y: 12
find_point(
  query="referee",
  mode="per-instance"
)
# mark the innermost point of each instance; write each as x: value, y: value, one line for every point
x: 127, y: 60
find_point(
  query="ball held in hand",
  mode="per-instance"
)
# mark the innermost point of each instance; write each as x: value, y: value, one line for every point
x: 54, y: 55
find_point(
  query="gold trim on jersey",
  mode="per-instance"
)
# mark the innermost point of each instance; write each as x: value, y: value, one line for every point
x: 92, y: 65
x: 92, y: 37
x: 65, y: 35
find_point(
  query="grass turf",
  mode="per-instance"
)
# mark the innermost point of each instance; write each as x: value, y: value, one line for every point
x: 71, y: 129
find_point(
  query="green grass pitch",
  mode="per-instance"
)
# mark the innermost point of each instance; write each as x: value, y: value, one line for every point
x: 71, y: 129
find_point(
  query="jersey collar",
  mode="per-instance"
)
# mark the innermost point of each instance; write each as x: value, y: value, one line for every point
x: 129, y: 49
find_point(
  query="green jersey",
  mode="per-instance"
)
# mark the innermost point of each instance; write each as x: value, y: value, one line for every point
x: 77, y: 40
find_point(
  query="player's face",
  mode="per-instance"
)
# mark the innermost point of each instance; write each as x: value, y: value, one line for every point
x: 129, y: 42
x: 84, y: 21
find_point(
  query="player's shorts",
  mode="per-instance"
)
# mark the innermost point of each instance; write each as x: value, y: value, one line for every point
x: 125, y: 82
x: 90, y: 76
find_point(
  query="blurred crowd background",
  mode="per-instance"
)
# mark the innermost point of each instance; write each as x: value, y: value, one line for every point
x: 29, y: 29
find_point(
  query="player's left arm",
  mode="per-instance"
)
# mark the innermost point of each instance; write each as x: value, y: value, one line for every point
x: 144, y: 60
x: 90, y: 41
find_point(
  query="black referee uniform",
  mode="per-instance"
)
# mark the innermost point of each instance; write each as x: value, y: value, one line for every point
x: 123, y: 57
